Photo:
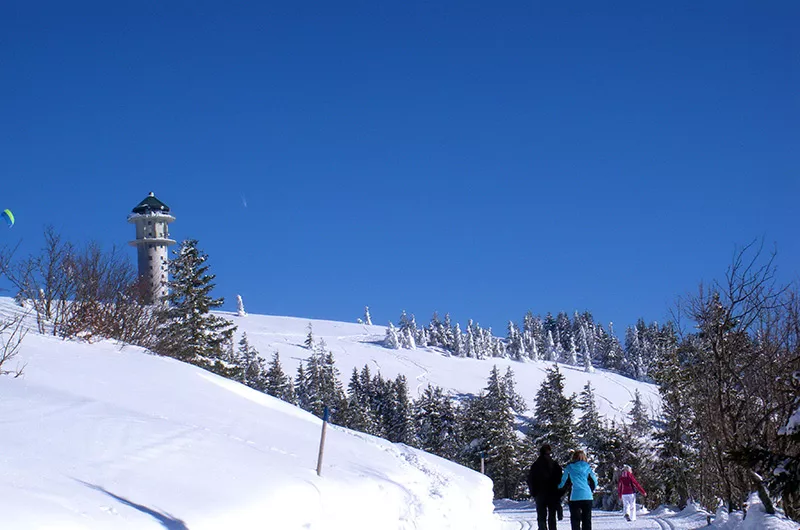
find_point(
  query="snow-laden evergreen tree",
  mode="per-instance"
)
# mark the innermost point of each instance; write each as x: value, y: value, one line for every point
x: 436, y: 423
x: 572, y: 355
x: 357, y: 415
x: 399, y: 417
x: 611, y: 352
x: 470, y: 350
x: 277, y: 383
x: 676, y: 453
x: 391, y: 340
x: 309, y: 342
x: 528, y: 336
x: 407, y: 341
x: 187, y: 329
x: 564, y: 327
x: 585, y: 351
x: 484, y: 342
x: 367, y: 316
x: 553, y: 417
x: 380, y: 402
x: 515, y: 400
x: 634, y: 354
x: 240, y: 312
x: 449, y: 342
x: 590, y: 429
x: 458, y: 341
x: 321, y: 386
x: 551, y: 353
x: 436, y: 334
x: 549, y: 324
x: 422, y: 339
x: 407, y: 323
x: 252, y: 371
x: 301, y: 388
x: 497, y: 429
x: 640, y: 421
x: 514, y: 346
x: 498, y: 349
x: 619, y: 447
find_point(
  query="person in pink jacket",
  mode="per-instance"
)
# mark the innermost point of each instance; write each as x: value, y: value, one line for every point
x: 626, y: 487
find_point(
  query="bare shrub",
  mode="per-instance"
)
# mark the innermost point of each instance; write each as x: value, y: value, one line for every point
x: 11, y: 334
x: 86, y: 293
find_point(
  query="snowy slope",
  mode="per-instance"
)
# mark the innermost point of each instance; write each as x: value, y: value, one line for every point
x: 94, y: 436
x: 355, y: 345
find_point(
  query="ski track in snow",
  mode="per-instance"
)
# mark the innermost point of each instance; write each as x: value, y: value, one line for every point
x: 525, y: 519
x: 422, y: 378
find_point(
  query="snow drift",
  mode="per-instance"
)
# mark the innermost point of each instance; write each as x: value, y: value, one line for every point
x: 98, y: 436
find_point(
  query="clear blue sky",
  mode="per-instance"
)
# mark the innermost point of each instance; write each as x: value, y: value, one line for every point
x: 481, y: 158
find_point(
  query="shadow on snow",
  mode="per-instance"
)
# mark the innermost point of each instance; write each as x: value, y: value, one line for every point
x: 166, y: 520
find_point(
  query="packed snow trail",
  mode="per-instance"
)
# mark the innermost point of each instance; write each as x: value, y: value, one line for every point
x: 522, y: 516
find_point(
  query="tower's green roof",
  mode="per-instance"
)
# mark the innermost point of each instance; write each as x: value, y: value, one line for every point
x: 150, y: 204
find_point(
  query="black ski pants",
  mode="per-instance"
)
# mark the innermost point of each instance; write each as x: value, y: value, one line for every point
x: 580, y: 515
x: 546, y: 508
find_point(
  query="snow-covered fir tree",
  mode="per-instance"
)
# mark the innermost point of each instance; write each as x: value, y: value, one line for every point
x: 407, y: 340
x: 399, y: 419
x: 436, y: 335
x: 515, y: 400
x: 358, y: 415
x: 551, y: 352
x: 449, y: 336
x: 590, y: 428
x: 469, y: 341
x: 277, y: 383
x: 407, y: 326
x: 367, y: 316
x: 677, y: 458
x: 391, y: 340
x: 422, y: 339
x: 494, y: 432
x: 309, y: 342
x: 187, y: 330
x: 585, y: 351
x: 553, y: 417
x: 437, y: 426
x: 458, y: 341
x: 514, y: 345
x: 240, y: 312
x: 640, y: 421
x: 301, y: 388
x: 564, y: 331
x: 572, y: 354
x: 252, y: 371
x: 320, y: 386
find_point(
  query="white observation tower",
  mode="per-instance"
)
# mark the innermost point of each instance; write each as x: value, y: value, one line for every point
x: 151, y: 218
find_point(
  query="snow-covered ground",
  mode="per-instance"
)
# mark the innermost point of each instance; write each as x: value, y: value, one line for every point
x: 522, y: 516
x: 355, y: 345
x: 98, y: 437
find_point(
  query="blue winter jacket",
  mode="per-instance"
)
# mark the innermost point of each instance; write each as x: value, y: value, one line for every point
x: 579, y: 473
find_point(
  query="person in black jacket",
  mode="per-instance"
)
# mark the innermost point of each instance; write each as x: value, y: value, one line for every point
x: 543, y: 479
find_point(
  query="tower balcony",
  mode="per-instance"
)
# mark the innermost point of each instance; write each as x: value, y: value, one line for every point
x: 152, y: 241
x: 150, y: 216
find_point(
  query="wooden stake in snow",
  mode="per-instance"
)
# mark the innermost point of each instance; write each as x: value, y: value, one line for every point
x: 325, y: 416
x: 483, y: 467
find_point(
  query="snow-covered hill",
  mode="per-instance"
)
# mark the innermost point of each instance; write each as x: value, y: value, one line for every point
x: 97, y: 436
x: 355, y: 345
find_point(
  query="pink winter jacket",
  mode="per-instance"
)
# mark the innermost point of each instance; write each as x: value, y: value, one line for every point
x: 626, y: 484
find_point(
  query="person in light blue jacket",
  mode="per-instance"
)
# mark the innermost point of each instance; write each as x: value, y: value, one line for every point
x: 584, y: 481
